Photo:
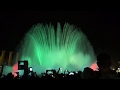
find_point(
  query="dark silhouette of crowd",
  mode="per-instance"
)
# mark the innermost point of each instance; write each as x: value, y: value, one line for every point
x: 103, y: 61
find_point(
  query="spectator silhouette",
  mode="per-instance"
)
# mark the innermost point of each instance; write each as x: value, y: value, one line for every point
x: 10, y: 76
x: 88, y: 73
x: 104, y: 63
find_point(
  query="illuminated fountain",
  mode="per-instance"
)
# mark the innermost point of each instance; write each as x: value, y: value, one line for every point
x: 45, y: 46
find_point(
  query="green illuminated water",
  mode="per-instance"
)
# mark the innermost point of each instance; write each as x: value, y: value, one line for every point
x: 45, y: 46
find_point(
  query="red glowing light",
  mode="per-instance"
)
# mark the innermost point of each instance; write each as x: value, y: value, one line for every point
x: 15, y: 69
x: 94, y: 66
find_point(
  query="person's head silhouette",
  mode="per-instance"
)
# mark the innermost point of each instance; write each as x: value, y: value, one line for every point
x: 103, y: 60
x: 104, y: 63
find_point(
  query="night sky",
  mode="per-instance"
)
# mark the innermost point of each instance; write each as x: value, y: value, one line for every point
x: 101, y: 28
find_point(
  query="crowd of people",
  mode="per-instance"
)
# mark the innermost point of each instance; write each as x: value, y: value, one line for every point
x: 104, y: 72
